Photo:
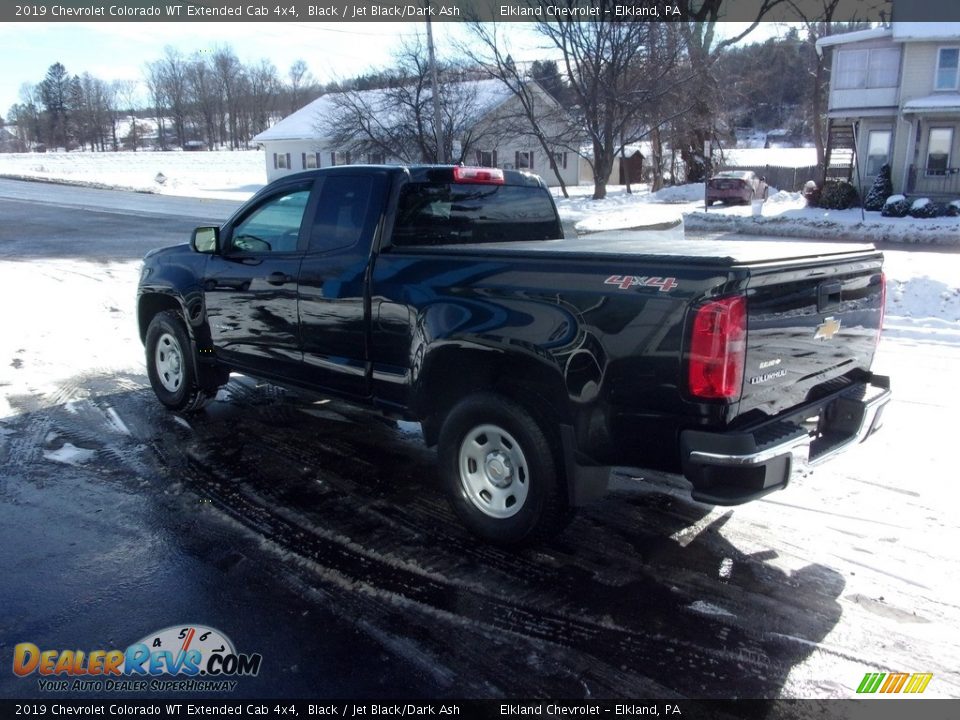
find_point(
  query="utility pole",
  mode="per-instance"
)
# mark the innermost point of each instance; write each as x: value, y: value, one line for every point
x: 434, y: 79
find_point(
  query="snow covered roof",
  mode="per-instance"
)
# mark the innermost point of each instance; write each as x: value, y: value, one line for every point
x: 943, y: 102
x: 306, y: 123
x: 899, y: 32
x: 908, y: 31
x: 855, y: 36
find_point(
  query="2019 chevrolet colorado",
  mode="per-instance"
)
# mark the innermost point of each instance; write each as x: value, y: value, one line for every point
x: 449, y: 296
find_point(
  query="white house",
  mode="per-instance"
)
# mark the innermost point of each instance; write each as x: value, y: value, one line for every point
x: 299, y: 141
x: 895, y: 98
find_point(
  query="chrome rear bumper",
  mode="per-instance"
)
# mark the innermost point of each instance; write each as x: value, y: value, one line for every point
x: 735, y: 467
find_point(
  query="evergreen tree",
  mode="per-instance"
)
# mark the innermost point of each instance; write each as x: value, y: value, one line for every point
x: 55, y: 96
x: 881, y: 190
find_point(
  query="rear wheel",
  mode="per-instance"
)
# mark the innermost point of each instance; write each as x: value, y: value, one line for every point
x: 169, y: 366
x: 500, y: 471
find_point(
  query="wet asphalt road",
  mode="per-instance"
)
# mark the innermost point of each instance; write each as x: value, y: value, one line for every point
x: 313, y: 533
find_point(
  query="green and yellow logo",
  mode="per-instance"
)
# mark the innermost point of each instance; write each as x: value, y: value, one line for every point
x: 894, y: 683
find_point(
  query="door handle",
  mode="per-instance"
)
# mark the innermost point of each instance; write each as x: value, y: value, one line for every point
x: 279, y: 278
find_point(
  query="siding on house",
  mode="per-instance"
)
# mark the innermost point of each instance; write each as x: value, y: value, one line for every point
x: 885, y: 108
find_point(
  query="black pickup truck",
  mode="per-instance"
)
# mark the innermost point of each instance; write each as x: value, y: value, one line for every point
x: 449, y: 296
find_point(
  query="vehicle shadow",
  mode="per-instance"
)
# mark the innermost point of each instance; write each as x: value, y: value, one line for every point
x: 647, y: 594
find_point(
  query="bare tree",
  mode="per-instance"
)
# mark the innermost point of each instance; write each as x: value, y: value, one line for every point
x: 173, y: 69
x: 302, y: 85
x: 158, y: 95
x: 128, y: 100
x: 608, y: 67
x: 264, y: 92
x: 548, y: 124
x: 397, y: 121
x: 230, y: 77
x: 704, y: 47
x: 204, y: 94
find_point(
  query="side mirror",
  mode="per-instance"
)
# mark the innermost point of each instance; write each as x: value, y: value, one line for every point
x: 205, y: 240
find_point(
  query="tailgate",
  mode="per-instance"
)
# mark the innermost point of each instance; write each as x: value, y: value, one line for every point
x: 810, y: 327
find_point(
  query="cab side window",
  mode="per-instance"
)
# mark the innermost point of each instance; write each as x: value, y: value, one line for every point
x: 343, y: 215
x: 273, y: 226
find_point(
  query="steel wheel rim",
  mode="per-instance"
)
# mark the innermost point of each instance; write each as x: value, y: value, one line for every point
x: 168, y: 362
x: 494, y: 474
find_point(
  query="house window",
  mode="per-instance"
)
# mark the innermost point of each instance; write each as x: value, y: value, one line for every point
x: 938, y: 150
x: 340, y: 158
x: 948, y: 61
x: 523, y: 161
x: 560, y: 160
x: 878, y: 150
x: 876, y: 68
x: 486, y: 158
x: 281, y: 161
x: 311, y: 161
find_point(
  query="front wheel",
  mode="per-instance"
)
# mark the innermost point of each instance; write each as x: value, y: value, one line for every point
x: 169, y: 367
x: 500, y: 471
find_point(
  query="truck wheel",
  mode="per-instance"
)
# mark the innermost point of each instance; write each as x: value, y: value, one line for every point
x: 500, y: 472
x: 169, y: 365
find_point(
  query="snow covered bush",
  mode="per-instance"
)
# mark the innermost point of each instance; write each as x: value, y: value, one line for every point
x: 924, y: 208
x: 953, y: 209
x: 881, y: 190
x: 896, y: 206
x: 838, y: 195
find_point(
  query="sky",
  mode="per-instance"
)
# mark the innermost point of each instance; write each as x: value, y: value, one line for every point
x: 119, y: 51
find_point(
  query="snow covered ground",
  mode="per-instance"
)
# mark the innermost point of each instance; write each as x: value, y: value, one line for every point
x: 217, y: 175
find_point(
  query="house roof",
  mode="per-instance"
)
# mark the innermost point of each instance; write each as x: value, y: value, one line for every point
x: 855, y: 36
x: 942, y: 102
x: 899, y: 32
x: 916, y: 31
x: 305, y: 123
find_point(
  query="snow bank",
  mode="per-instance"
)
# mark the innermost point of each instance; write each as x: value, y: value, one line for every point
x: 784, y: 214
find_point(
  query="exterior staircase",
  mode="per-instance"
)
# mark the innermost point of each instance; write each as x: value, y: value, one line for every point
x: 841, y: 152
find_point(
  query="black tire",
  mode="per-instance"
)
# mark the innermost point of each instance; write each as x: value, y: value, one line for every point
x: 500, y: 471
x: 169, y: 366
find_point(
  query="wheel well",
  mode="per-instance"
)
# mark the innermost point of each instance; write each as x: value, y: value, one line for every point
x: 149, y: 306
x: 529, y: 382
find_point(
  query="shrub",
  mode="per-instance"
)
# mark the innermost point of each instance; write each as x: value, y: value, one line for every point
x: 881, y: 190
x: 953, y: 209
x: 896, y: 206
x: 924, y: 208
x: 838, y: 195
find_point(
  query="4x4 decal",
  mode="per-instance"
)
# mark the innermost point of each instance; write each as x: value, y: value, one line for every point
x: 625, y: 282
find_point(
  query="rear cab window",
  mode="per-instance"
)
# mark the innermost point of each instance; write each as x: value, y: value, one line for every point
x: 446, y: 213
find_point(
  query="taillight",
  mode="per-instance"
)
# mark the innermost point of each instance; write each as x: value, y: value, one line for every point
x: 718, y: 345
x: 484, y: 176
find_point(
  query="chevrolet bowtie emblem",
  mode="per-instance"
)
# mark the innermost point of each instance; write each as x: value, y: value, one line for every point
x: 827, y: 329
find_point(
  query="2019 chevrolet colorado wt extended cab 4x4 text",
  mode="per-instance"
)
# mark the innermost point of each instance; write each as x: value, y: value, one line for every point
x: 448, y: 295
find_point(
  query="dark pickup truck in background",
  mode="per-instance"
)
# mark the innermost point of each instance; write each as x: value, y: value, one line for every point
x: 448, y: 295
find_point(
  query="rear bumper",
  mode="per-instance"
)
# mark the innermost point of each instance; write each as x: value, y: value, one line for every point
x: 728, y: 194
x: 735, y: 467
